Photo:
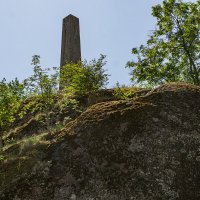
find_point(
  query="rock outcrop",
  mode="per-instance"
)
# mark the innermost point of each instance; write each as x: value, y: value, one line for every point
x: 146, y: 148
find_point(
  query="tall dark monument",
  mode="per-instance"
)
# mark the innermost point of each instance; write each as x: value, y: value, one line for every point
x: 71, y: 47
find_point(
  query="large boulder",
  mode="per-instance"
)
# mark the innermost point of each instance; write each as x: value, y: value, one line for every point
x: 147, y: 148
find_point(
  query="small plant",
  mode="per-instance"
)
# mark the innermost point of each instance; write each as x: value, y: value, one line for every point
x: 45, y: 86
x: 122, y: 92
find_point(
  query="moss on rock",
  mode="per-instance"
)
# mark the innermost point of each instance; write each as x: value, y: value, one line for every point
x: 141, y: 148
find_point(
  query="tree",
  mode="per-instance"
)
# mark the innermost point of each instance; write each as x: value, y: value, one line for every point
x: 44, y: 85
x: 172, y: 52
x: 84, y: 77
x: 11, y: 94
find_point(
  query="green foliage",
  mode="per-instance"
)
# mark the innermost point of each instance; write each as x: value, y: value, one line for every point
x: 17, y: 89
x: 84, y: 77
x: 32, y: 105
x: 44, y: 85
x: 172, y: 50
x: 125, y: 92
x: 40, y: 93
x: 121, y: 92
x: 42, y: 82
x: 11, y: 94
x: 67, y: 100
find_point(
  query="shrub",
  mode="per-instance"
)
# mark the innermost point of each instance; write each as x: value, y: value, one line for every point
x: 84, y: 77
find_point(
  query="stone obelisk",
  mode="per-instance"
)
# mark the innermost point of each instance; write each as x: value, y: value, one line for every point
x: 71, y: 47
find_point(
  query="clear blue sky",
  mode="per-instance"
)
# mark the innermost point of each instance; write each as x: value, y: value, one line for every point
x: 110, y: 27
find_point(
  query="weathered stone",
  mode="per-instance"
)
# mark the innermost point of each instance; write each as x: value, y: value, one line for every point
x: 71, y: 48
x: 119, y: 150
